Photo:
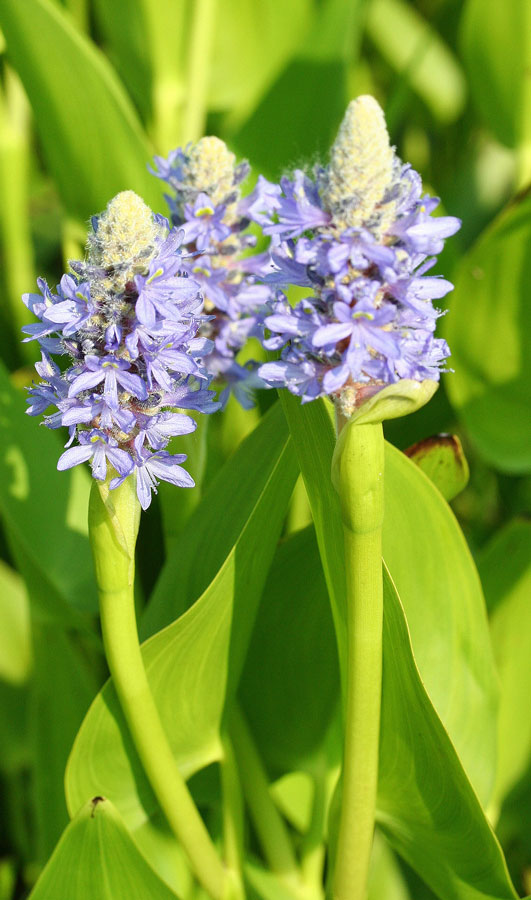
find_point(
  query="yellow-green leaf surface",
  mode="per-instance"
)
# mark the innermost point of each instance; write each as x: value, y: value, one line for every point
x: 15, y: 639
x: 489, y: 331
x: 441, y: 458
x: 496, y: 44
x: 439, y: 586
x: 192, y: 663
x: 90, y: 134
x: 44, y: 511
x: 97, y: 858
x: 427, y: 806
x: 416, y: 50
x: 299, y: 113
x: 251, y: 43
x: 505, y: 568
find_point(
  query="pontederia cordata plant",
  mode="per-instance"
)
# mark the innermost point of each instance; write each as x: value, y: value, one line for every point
x: 142, y: 330
x: 359, y: 233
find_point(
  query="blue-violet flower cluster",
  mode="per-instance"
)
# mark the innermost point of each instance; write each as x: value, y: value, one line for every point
x: 128, y: 318
x: 207, y: 204
x: 361, y: 235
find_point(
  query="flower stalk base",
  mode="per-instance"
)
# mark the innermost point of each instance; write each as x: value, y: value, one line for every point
x: 357, y: 473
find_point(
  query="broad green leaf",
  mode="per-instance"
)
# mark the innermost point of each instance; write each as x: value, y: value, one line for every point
x: 441, y: 458
x: 93, y: 143
x: 44, y: 511
x: 97, y: 858
x: 193, y: 662
x: 439, y: 586
x: 217, y: 524
x: 293, y: 640
x: 415, y: 49
x: 251, y: 44
x: 427, y: 808
x: 505, y: 568
x: 299, y: 114
x: 15, y: 639
x: 489, y: 331
x: 496, y: 46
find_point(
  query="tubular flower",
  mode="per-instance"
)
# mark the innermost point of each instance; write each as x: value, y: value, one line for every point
x: 128, y: 318
x: 361, y: 235
x: 206, y: 204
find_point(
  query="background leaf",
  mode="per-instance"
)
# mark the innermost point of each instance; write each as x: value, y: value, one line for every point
x: 508, y: 593
x: 496, y: 43
x: 95, y: 156
x: 489, y: 331
x: 44, y: 511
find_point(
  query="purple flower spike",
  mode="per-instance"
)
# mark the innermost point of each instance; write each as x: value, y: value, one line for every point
x: 206, y: 204
x: 361, y: 234
x: 129, y: 318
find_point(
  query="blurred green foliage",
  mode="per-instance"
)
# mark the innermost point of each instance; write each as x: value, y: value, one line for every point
x: 89, y: 90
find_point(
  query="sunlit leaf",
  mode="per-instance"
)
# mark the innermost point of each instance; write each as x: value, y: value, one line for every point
x: 97, y: 858
x: 416, y: 50
x: 297, y: 117
x: 15, y: 640
x: 427, y: 808
x: 489, y: 332
x: 251, y: 43
x: 91, y: 137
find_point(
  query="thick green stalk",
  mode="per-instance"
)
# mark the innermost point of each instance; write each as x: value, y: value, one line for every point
x: 113, y: 526
x: 358, y: 476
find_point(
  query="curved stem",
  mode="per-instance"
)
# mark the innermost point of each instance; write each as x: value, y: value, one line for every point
x: 113, y: 526
x: 233, y: 818
x: 358, y: 475
x: 269, y: 824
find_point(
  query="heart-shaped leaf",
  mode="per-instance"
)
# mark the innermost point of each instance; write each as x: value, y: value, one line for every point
x: 97, y: 858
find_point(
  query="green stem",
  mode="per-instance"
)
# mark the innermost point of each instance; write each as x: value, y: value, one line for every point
x: 201, y: 36
x: 268, y: 823
x: 313, y: 850
x: 358, y: 476
x: 233, y: 818
x: 113, y: 526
